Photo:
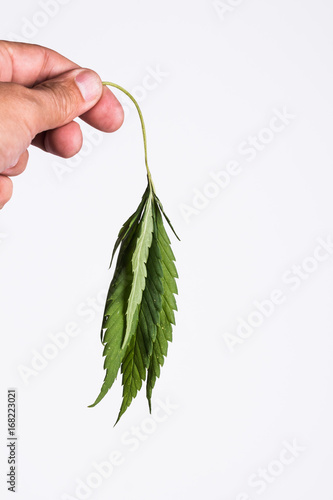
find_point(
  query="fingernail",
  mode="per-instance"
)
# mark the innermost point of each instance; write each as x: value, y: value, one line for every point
x: 89, y: 84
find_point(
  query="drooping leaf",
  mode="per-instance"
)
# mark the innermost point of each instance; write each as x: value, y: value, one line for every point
x: 167, y: 318
x: 139, y: 310
x: 137, y: 357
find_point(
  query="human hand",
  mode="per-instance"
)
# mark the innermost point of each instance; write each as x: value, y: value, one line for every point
x: 41, y: 92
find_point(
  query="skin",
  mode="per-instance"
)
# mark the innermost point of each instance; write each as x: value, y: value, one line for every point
x: 41, y: 93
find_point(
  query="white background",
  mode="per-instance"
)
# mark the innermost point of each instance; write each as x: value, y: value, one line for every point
x: 225, y: 72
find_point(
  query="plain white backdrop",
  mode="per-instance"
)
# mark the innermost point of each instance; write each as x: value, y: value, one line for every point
x: 243, y: 409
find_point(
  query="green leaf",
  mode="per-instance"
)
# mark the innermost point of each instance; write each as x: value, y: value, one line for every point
x: 137, y: 357
x: 167, y: 318
x: 142, y: 354
x: 139, y: 270
x: 114, y: 320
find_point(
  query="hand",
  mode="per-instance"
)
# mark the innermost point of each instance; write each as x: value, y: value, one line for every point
x: 41, y: 92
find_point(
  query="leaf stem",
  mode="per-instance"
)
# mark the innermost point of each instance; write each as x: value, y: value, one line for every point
x: 150, y: 180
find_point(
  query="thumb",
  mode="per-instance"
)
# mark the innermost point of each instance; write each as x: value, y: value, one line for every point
x: 58, y: 101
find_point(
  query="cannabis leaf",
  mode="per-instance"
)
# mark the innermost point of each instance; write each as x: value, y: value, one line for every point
x: 139, y: 310
x: 167, y: 318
